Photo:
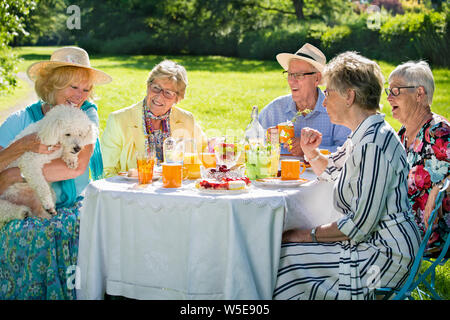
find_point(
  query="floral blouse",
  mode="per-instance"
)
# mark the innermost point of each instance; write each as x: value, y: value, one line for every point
x: 429, y: 158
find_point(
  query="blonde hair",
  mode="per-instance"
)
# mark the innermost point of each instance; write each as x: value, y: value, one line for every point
x: 349, y: 70
x: 173, y: 71
x: 51, y: 80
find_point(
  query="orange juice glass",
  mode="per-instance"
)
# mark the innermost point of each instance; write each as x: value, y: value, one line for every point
x: 290, y: 169
x: 172, y: 174
x: 208, y: 159
x: 286, y: 131
x: 325, y: 152
x: 191, y: 166
x: 145, y: 163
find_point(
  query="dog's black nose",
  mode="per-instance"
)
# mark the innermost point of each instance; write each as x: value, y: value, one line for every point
x: 76, y: 149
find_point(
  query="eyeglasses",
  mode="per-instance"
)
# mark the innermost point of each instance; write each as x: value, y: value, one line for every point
x: 395, y: 91
x: 327, y: 91
x: 168, y: 94
x: 296, y: 75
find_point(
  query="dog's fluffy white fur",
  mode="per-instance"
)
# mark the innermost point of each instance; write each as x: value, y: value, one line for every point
x: 65, y: 125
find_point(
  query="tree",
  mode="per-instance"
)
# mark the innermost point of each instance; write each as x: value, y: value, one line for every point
x: 298, y: 6
x: 12, y: 15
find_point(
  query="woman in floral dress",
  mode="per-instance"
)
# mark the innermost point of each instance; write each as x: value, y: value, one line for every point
x: 426, y: 137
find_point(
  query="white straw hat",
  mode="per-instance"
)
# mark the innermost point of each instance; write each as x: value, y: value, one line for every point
x: 68, y: 56
x: 308, y: 53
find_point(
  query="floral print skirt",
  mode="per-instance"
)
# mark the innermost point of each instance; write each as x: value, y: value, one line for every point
x: 38, y: 257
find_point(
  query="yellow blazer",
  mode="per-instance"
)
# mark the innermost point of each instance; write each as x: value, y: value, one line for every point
x: 124, y: 135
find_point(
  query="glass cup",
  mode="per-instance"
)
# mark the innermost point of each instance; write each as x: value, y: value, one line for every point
x: 258, y: 162
x: 208, y: 159
x: 228, y: 151
x: 286, y: 131
x: 173, y: 150
x: 325, y: 152
x: 274, y: 160
x: 191, y: 160
x: 172, y: 175
x: 145, y: 163
x: 290, y: 169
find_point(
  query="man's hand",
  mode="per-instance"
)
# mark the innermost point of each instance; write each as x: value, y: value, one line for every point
x: 293, y: 146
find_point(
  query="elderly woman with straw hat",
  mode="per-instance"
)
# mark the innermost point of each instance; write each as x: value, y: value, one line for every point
x: 150, y: 121
x: 375, y: 241
x: 35, y: 255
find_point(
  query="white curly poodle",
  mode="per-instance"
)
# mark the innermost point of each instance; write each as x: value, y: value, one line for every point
x: 67, y: 126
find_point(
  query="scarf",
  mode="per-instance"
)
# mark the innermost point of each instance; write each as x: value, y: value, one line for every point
x: 153, y: 136
x: 68, y: 190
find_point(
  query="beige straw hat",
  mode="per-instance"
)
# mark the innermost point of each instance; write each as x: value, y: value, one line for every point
x: 308, y: 53
x: 68, y: 56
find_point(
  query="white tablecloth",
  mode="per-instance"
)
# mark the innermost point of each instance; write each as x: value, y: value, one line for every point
x: 156, y: 243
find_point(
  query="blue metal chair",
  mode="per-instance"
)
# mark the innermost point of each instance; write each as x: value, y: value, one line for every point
x: 411, y: 284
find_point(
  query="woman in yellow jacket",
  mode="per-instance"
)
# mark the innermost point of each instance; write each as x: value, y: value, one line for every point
x: 150, y: 121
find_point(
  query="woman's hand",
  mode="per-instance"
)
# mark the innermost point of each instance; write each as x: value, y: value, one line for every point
x: 310, y: 140
x: 32, y: 143
x: 296, y: 235
x: 8, y: 177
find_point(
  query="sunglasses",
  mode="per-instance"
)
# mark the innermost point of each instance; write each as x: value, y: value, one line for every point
x: 168, y: 94
x: 395, y: 91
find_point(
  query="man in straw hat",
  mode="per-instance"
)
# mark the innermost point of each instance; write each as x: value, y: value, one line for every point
x: 303, y: 71
x: 67, y: 78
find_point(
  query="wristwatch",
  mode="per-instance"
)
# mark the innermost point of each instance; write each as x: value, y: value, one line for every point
x: 313, y: 235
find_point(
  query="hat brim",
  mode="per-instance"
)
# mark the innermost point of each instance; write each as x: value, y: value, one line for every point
x: 100, y: 77
x: 284, y: 58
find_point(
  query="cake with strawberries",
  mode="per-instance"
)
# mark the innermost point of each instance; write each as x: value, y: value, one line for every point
x: 223, y: 184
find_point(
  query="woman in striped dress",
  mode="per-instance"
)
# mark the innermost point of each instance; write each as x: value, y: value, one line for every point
x: 374, y: 243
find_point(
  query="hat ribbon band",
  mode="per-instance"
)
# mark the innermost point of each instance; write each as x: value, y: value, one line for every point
x: 305, y: 55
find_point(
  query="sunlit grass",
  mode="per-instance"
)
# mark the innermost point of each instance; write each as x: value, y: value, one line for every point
x: 221, y: 90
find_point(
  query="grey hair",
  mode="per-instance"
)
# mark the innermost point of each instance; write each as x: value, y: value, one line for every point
x: 173, y: 71
x: 349, y: 70
x: 416, y: 73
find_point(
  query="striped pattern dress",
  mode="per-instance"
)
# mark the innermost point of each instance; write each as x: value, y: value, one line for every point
x: 370, y: 173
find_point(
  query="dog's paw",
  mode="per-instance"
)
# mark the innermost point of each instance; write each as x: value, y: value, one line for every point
x: 24, y: 211
x: 72, y: 163
x: 45, y: 215
x: 51, y: 212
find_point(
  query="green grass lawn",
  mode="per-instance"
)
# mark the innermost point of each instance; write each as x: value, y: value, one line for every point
x: 221, y: 93
x: 221, y: 90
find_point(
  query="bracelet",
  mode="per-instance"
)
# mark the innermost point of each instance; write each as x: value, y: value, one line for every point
x: 313, y: 234
x: 313, y: 159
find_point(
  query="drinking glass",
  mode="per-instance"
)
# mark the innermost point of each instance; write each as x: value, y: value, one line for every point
x: 259, y: 162
x: 172, y: 174
x: 145, y: 163
x: 227, y: 150
x: 173, y: 150
x: 286, y: 131
x: 191, y: 162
